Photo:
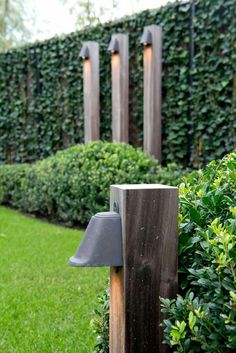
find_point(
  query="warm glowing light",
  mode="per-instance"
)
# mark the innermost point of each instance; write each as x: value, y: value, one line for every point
x: 147, y: 55
x: 113, y: 46
x: 115, y: 61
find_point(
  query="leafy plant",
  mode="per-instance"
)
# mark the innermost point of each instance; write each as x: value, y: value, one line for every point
x: 172, y: 174
x: 203, y: 317
x: 100, y: 323
x: 74, y: 184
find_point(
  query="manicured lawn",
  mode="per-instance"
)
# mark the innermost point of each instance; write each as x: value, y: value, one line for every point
x: 45, y: 305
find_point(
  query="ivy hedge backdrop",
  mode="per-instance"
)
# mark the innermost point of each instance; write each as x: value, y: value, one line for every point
x: 41, y: 88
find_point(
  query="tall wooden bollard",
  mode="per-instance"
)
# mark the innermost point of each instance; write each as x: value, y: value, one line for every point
x: 152, y: 41
x: 149, y: 215
x: 119, y: 47
x: 90, y: 55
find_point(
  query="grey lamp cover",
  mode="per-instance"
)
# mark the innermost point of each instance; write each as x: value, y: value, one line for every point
x: 113, y: 46
x: 102, y: 242
x: 146, y: 38
x: 84, y: 52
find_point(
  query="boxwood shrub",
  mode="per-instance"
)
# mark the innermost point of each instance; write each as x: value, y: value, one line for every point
x: 74, y: 184
x: 203, y: 317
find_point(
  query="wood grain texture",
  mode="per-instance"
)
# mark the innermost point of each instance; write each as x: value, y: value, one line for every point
x: 91, y: 93
x: 117, y: 295
x: 120, y: 89
x: 150, y: 239
x: 117, y: 310
x: 152, y: 92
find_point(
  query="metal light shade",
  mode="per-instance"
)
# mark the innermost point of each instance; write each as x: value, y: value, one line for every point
x: 113, y: 46
x: 102, y: 242
x: 84, y: 52
x: 146, y: 38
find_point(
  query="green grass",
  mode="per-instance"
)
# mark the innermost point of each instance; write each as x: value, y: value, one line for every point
x: 45, y: 305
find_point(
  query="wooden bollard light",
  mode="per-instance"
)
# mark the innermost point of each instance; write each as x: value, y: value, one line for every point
x: 152, y: 57
x: 90, y: 55
x: 140, y: 245
x: 119, y: 48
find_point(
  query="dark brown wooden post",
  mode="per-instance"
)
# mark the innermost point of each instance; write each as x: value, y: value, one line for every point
x: 90, y: 54
x: 149, y: 215
x: 119, y: 47
x: 152, y: 89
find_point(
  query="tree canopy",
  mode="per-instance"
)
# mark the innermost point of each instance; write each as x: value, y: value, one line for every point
x: 12, y: 26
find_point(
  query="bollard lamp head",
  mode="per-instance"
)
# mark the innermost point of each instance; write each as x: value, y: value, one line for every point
x: 102, y: 242
x: 146, y: 38
x: 84, y: 52
x: 113, y: 46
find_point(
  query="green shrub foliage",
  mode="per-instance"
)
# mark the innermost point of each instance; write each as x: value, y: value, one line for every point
x: 41, y: 92
x: 101, y: 323
x: 203, y: 317
x: 74, y: 184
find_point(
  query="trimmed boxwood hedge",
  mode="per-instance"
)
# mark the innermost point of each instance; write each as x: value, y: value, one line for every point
x: 203, y: 317
x: 74, y: 184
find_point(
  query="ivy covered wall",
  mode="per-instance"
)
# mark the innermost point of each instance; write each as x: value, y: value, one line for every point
x: 41, y: 88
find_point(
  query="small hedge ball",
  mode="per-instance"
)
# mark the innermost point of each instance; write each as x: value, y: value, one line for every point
x: 74, y: 184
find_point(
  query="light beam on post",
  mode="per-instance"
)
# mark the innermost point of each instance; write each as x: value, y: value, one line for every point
x: 91, y: 86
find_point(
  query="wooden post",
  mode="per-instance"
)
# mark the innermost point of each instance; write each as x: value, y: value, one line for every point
x: 120, y: 87
x: 91, y: 91
x: 149, y: 215
x: 152, y: 91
